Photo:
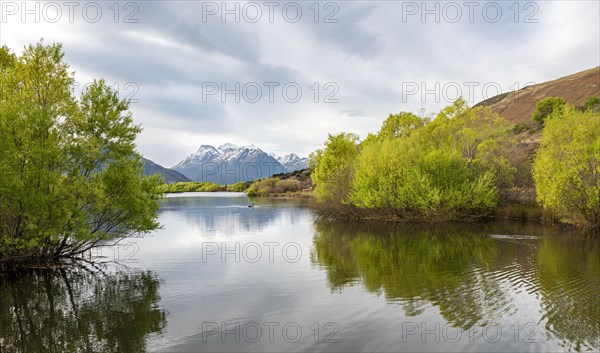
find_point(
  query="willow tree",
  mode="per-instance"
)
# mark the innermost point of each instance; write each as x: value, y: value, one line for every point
x: 567, y: 167
x: 446, y: 168
x: 333, y: 171
x: 70, y: 175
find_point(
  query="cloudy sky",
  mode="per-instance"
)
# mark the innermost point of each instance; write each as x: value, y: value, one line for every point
x: 283, y: 74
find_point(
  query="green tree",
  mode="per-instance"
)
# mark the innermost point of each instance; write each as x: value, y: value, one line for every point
x: 592, y: 103
x: 567, y: 168
x: 549, y: 107
x: 441, y: 169
x: 399, y: 125
x: 7, y: 58
x: 71, y: 177
x: 333, y: 168
x: 491, y: 156
x: 383, y: 170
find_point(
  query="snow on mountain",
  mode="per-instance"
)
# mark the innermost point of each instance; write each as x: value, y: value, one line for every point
x: 205, y: 154
x: 292, y: 162
x: 230, y: 163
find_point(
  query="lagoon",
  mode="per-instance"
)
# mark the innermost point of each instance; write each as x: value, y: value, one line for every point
x: 223, y: 277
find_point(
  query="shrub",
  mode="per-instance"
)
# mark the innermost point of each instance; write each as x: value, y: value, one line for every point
x: 273, y: 186
x: 237, y: 187
x: 567, y: 168
x: 549, y: 107
x: 592, y: 103
x: 445, y: 168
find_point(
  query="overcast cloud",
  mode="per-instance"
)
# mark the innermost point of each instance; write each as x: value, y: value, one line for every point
x: 353, y: 61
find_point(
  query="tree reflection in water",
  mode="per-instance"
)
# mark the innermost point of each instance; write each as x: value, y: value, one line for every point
x: 569, y: 277
x: 469, y: 276
x: 79, y: 311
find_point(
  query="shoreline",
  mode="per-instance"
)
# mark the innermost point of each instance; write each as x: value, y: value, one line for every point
x: 509, y: 212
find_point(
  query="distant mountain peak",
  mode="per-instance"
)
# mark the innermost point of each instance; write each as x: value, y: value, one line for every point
x: 232, y: 146
x: 204, y: 148
x: 230, y: 163
x: 289, y: 157
x: 228, y: 146
x: 292, y: 162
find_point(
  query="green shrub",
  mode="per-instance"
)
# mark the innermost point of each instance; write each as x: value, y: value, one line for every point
x: 448, y: 168
x: 273, y: 186
x: 549, y: 107
x: 180, y: 187
x: 567, y: 168
x: 592, y: 103
x: 237, y: 187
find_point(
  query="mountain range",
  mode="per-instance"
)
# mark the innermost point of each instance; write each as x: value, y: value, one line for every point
x: 227, y: 164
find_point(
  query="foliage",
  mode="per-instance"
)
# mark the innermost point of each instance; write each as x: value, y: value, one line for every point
x: 237, y: 187
x: 519, y: 128
x: 333, y: 168
x: 7, y: 58
x: 273, y: 186
x: 549, y: 107
x: 191, y: 186
x: 399, y: 125
x: 592, y: 103
x: 567, y: 168
x: 71, y: 177
x: 446, y: 168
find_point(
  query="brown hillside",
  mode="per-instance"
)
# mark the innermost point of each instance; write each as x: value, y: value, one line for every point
x: 519, y: 106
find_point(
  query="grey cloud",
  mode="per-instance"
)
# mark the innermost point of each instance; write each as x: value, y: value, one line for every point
x: 353, y: 112
x: 369, y: 53
x: 347, y: 34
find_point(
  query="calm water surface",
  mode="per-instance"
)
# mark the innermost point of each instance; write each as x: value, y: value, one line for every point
x: 224, y: 277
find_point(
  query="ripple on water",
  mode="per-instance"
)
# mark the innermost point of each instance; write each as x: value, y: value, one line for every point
x: 514, y: 236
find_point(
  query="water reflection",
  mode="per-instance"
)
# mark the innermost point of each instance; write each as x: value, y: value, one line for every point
x: 537, y: 285
x: 79, y: 311
x: 470, y: 277
x: 569, y: 277
x: 214, y: 213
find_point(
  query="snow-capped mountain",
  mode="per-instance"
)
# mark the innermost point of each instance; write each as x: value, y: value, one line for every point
x: 292, y: 162
x: 205, y: 154
x: 230, y: 163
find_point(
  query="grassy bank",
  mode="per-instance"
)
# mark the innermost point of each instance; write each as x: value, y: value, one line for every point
x: 294, y: 184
